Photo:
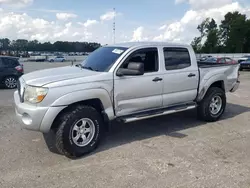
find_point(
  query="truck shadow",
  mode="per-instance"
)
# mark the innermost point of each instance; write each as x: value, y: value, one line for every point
x: 168, y: 125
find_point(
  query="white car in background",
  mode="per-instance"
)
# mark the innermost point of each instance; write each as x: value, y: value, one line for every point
x: 57, y: 59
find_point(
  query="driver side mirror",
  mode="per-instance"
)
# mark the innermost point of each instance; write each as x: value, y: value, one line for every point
x: 134, y: 69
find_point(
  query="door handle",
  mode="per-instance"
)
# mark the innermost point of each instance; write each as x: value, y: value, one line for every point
x: 191, y: 75
x: 156, y: 79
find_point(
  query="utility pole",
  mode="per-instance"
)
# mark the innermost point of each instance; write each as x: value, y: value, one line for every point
x: 114, y: 26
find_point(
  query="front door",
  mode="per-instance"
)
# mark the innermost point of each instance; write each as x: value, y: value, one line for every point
x: 139, y: 93
x: 181, y: 77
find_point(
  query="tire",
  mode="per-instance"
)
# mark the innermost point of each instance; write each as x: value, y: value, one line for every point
x: 205, y: 112
x: 10, y: 82
x: 65, y: 133
x: 241, y: 69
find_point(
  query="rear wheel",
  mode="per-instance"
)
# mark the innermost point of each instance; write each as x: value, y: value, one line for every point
x: 213, y: 105
x: 10, y: 82
x: 79, y: 131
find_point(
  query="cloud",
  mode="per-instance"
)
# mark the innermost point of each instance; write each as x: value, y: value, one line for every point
x: 88, y: 23
x: 47, y: 10
x: 65, y: 16
x: 16, y: 3
x: 23, y: 26
x: 138, y: 35
x: 162, y: 27
x: 15, y: 25
x: 184, y: 30
x: 109, y: 15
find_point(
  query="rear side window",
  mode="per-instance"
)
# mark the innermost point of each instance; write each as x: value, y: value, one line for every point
x: 176, y: 58
x: 8, y: 62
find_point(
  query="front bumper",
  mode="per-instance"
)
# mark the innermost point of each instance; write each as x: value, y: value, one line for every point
x: 35, y: 118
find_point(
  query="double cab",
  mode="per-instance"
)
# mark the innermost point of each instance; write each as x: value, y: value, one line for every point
x: 125, y: 82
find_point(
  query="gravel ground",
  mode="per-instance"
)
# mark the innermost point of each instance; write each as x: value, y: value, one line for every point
x: 170, y: 151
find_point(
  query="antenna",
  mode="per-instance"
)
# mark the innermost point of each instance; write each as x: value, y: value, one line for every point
x: 114, y: 26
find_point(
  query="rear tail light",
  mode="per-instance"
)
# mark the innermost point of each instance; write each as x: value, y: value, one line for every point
x: 19, y: 68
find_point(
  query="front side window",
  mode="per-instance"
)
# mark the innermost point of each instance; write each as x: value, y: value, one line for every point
x: 222, y: 60
x: 228, y: 60
x: 103, y: 58
x: 176, y: 58
x: 147, y: 56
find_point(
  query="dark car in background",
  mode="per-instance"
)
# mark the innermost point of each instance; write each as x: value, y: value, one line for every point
x: 245, y: 64
x: 10, y: 71
x: 244, y: 58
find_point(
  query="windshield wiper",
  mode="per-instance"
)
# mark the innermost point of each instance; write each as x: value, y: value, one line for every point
x: 84, y: 67
x: 78, y: 65
x: 89, y: 68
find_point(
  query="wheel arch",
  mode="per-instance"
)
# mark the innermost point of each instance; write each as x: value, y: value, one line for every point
x: 72, y: 100
x: 216, y: 83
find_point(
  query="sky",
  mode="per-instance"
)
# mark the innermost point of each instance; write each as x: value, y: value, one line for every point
x: 92, y: 21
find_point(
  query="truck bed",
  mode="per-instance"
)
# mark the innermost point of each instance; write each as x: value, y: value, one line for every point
x: 212, y: 64
x: 210, y: 72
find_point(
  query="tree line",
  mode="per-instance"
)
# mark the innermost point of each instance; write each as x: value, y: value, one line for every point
x: 232, y: 35
x: 22, y: 45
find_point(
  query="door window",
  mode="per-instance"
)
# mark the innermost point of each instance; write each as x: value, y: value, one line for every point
x: 147, y: 56
x: 228, y: 60
x: 176, y: 58
x: 222, y: 60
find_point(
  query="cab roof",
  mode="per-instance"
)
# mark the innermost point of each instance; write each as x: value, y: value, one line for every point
x: 141, y: 44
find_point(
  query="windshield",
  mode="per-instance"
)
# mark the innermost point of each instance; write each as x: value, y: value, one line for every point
x: 103, y: 58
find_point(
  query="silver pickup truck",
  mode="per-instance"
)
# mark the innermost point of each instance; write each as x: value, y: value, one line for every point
x: 125, y: 82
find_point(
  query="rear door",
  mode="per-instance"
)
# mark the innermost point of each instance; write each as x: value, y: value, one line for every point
x: 181, y: 76
x: 139, y: 93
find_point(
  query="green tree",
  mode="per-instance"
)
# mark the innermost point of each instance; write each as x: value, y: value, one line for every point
x: 212, y: 40
x: 233, y: 32
x: 196, y: 44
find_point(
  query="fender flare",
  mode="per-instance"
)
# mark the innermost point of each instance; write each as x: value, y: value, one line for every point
x: 207, y: 84
x: 82, y: 95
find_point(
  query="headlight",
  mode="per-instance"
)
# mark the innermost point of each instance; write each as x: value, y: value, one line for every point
x: 34, y: 94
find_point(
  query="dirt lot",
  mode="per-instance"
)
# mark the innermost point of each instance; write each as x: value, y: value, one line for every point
x: 171, y: 151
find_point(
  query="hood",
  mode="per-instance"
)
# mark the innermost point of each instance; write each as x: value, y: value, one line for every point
x: 43, y: 77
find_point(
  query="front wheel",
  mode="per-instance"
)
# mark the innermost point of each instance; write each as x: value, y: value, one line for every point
x: 10, y: 82
x: 79, y: 131
x: 213, y: 105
